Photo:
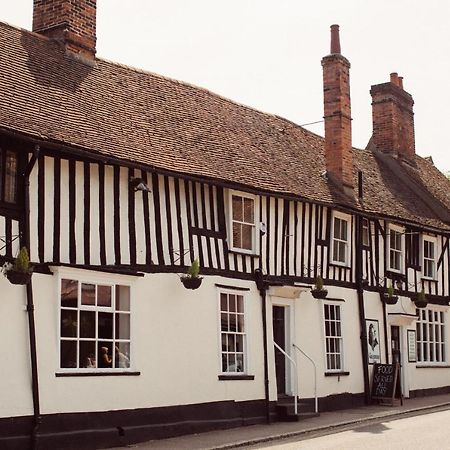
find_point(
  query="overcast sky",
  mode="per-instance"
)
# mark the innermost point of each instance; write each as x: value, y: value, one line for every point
x: 267, y: 53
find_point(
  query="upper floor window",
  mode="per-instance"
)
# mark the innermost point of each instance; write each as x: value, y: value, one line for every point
x: 430, y: 328
x: 8, y: 176
x: 243, y: 227
x: 365, y: 233
x: 232, y: 332
x: 429, y: 262
x: 94, y: 325
x: 395, y: 240
x: 333, y: 337
x: 340, y: 240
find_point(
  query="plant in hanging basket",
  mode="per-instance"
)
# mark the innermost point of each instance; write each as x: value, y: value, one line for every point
x: 388, y: 297
x: 318, y: 291
x: 191, y: 280
x: 420, y: 300
x: 20, y: 272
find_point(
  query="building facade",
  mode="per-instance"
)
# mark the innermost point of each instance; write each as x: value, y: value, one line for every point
x: 116, y: 180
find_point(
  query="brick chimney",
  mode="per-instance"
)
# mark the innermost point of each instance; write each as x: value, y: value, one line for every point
x: 337, y: 114
x: 393, y: 119
x: 72, y: 22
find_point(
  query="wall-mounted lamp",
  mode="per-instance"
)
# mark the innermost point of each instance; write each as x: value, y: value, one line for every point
x: 138, y: 184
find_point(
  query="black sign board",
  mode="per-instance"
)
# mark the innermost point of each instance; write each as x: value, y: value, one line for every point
x: 384, y: 381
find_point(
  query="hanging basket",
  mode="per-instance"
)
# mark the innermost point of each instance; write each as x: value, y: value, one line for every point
x: 191, y: 282
x: 420, y: 303
x: 389, y: 299
x: 319, y: 293
x: 16, y: 277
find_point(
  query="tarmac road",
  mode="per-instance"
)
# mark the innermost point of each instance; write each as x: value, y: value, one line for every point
x: 423, y: 432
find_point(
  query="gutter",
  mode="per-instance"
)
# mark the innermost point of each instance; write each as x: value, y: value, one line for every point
x: 30, y: 303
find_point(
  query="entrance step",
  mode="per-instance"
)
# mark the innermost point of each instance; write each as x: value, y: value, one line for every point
x: 286, y: 410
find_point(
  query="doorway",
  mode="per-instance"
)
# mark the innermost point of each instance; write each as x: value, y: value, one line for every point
x: 396, y: 350
x: 279, y: 337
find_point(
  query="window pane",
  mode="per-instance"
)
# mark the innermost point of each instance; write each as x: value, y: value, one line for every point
x: 239, y: 343
x: 68, y: 354
x: 240, y: 362
x: 232, y: 303
x: 241, y: 323
x: 104, y: 354
x: 105, y: 325
x: 223, y: 302
x: 237, y: 235
x: 233, y: 322
x: 87, y: 324
x: 249, y: 210
x: 10, y: 177
x: 237, y: 208
x: 88, y: 294
x: 69, y: 323
x: 343, y: 235
x: 122, y: 355
x: 69, y: 293
x: 87, y: 355
x: 123, y: 298
x: 104, y: 296
x: 247, y: 237
x: 224, y: 322
x: 240, y: 303
x: 122, y: 326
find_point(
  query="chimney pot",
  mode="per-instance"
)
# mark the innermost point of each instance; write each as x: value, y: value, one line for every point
x: 400, y: 82
x: 335, y: 46
x: 394, y: 78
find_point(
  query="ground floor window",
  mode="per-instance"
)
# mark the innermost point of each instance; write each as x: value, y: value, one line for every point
x: 232, y: 332
x: 430, y: 330
x: 333, y: 337
x: 94, y: 325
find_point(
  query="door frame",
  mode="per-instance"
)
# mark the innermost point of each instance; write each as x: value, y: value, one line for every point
x: 404, y: 372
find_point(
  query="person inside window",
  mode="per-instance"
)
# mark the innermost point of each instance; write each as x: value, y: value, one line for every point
x: 105, y: 359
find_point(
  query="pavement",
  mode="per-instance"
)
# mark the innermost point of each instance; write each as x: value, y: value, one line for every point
x: 327, y: 422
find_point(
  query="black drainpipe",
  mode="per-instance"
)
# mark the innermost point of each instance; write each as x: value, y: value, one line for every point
x: 262, y: 287
x: 30, y: 304
x: 386, y: 347
x: 360, y: 293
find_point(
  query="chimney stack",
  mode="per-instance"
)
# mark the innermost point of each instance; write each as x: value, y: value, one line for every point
x: 337, y: 114
x: 393, y: 119
x: 72, y: 22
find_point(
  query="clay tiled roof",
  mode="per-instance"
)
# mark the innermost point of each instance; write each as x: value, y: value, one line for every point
x: 117, y: 111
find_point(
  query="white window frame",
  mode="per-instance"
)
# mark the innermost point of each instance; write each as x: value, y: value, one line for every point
x: 401, y: 231
x: 242, y: 294
x: 345, y: 218
x: 340, y: 338
x: 255, y: 241
x: 438, y: 328
x: 97, y: 278
x: 432, y: 240
x: 366, y: 232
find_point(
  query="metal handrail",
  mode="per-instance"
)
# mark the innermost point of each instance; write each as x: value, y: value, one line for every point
x: 296, y: 375
x: 316, y: 403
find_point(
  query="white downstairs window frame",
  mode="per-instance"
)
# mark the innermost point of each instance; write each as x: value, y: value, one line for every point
x: 333, y: 336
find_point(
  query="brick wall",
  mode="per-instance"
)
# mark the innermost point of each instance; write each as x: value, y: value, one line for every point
x: 71, y: 21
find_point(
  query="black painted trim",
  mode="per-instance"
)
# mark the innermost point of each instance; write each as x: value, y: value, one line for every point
x: 116, y: 190
x: 168, y: 219
x: 157, y: 207
x: 41, y: 207
x: 235, y: 377
x: 433, y: 366
x: 131, y: 217
x: 148, y: 240
x: 87, y: 211
x: 337, y: 374
x: 97, y: 374
x: 176, y: 183
x: 235, y: 288
x: 56, y: 208
x: 72, y: 213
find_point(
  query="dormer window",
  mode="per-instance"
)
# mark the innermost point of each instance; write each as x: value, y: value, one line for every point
x: 395, y: 249
x: 8, y: 177
x: 429, y: 262
x: 340, y: 239
x: 243, y: 227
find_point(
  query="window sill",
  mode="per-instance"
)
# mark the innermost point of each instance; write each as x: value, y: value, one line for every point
x: 432, y: 366
x: 340, y: 264
x: 235, y: 377
x: 337, y: 374
x: 244, y: 253
x: 97, y: 374
x: 433, y: 280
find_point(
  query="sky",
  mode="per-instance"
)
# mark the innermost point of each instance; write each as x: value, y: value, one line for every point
x: 266, y: 53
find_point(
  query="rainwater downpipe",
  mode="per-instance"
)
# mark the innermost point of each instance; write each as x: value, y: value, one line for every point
x: 360, y: 293
x: 30, y: 304
x: 262, y: 287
